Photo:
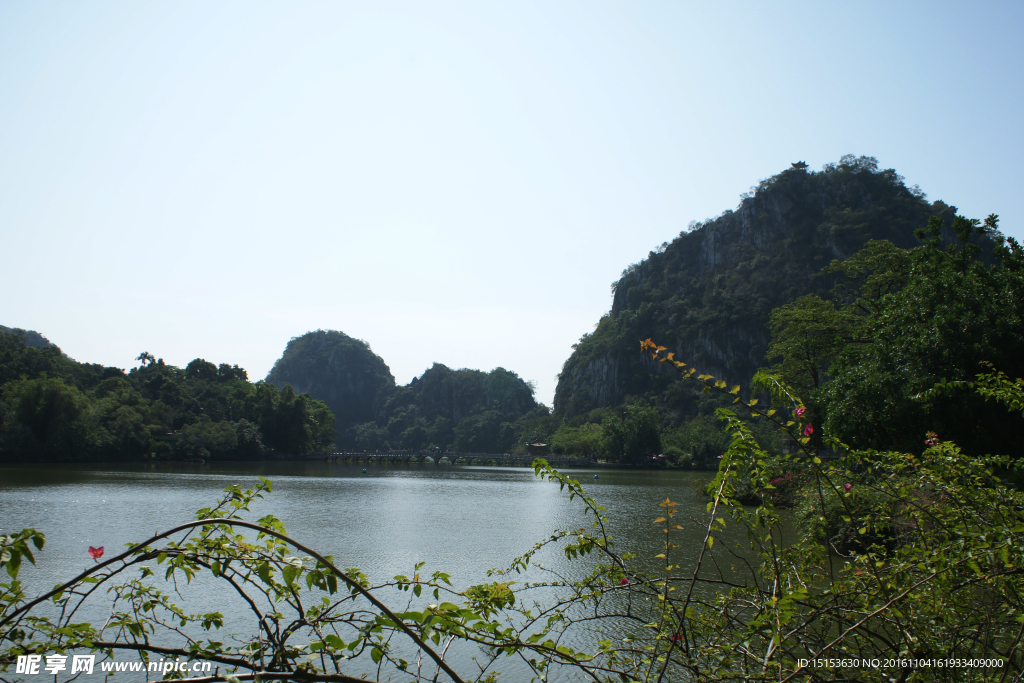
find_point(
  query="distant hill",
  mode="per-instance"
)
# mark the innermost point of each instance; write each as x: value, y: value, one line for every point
x: 708, y: 295
x: 341, y: 371
x: 30, y: 337
x: 466, y: 409
x: 456, y: 394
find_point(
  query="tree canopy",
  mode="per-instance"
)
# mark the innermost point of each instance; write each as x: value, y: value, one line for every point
x: 55, y: 409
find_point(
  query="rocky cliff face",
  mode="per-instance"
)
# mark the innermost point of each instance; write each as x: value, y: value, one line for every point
x: 340, y: 371
x: 708, y: 295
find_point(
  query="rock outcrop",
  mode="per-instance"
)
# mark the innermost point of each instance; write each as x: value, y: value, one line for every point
x: 708, y: 295
x: 340, y: 371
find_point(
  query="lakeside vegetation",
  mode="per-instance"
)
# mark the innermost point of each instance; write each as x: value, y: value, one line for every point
x: 907, y: 567
x: 54, y: 409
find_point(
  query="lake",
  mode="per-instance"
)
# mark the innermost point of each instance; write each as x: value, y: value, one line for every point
x: 462, y: 520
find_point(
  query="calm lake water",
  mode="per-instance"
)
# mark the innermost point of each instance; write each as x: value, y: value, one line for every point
x: 462, y: 520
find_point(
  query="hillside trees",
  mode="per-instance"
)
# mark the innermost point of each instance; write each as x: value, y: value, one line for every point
x: 289, y: 422
x: 55, y: 409
x: 45, y: 418
x: 465, y: 410
x: 634, y: 437
x: 952, y: 314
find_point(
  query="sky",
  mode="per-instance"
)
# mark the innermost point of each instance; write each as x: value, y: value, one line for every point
x: 452, y: 182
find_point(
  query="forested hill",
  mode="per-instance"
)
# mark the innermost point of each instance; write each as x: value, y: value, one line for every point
x: 708, y: 295
x: 30, y: 337
x: 341, y: 371
x: 468, y: 410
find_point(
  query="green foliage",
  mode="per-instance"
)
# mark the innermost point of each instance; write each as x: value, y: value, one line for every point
x: 586, y: 440
x: 479, y: 433
x: 913, y: 561
x: 702, y: 440
x: 641, y: 433
x: 806, y: 335
x: 54, y: 409
x: 464, y: 410
x: 940, y: 320
x: 19, y: 359
x: 635, y: 437
x: 205, y: 437
x: 45, y: 417
x: 289, y: 422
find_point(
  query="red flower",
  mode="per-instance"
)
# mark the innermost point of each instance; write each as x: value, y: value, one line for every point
x: 800, y: 411
x: 809, y: 429
x: 624, y: 582
x: 96, y: 553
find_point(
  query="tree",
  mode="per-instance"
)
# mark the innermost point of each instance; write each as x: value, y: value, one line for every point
x: 45, y: 419
x: 951, y: 315
x: 702, y: 439
x: 367, y: 437
x: 806, y: 336
x: 642, y: 433
x: 634, y: 437
x: 415, y: 437
x: 585, y: 440
x: 130, y: 433
x: 441, y: 433
x: 200, y: 369
x: 479, y: 433
x: 289, y: 422
x: 206, y: 439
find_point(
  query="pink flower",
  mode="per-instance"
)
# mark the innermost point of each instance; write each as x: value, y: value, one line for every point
x: 809, y: 429
x: 800, y: 411
x: 847, y: 487
x: 96, y: 553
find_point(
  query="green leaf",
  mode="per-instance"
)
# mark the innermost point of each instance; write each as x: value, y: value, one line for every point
x: 288, y: 573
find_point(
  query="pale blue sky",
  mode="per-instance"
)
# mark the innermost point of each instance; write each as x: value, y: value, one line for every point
x: 452, y: 182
